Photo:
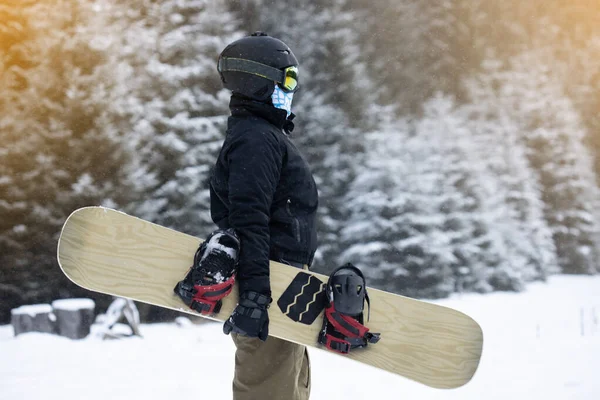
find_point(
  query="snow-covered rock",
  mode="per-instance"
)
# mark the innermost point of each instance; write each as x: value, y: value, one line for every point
x: 33, y: 318
x: 74, y: 317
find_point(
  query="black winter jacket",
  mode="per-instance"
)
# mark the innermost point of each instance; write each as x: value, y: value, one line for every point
x: 263, y: 188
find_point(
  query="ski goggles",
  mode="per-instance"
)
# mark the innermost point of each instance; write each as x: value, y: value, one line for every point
x: 286, y: 78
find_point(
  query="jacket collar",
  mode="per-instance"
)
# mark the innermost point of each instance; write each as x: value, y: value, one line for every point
x: 244, y: 107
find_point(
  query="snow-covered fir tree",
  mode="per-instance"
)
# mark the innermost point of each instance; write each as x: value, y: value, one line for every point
x: 512, y: 193
x: 177, y: 107
x: 59, y: 149
x: 553, y: 134
x: 417, y: 225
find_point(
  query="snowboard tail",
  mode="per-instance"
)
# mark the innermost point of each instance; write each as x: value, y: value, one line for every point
x: 110, y: 252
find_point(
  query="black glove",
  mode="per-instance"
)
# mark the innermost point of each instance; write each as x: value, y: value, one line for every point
x: 250, y: 317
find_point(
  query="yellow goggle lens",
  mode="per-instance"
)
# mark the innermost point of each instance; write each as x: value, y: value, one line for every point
x: 290, y: 82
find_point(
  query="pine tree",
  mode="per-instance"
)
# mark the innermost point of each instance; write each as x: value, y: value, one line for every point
x: 59, y: 152
x: 512, y: 193
x: 417, y: 223
x: 456, y: 157
x: 552, y: 131
x: 177, y: 108
x: 387, y: 234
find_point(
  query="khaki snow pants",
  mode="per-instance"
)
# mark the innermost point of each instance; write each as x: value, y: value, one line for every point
x: 271, y: 370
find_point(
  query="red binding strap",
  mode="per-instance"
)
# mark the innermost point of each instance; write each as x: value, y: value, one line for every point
x: 207, y: 298
x: 344, y: 324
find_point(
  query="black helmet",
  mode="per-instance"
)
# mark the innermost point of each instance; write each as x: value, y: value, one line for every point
x: 251, y: 66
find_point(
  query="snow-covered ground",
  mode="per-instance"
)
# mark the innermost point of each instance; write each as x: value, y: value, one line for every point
x: 541, y: 344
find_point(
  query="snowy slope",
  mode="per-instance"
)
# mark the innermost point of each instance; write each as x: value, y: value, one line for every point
x: 541, y: 344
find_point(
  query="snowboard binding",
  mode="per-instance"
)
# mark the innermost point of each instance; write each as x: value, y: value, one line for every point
x: 343, y: 327
x: 212, y: 275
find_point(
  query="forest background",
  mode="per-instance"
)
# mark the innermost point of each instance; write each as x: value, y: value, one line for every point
x: 455, y: 143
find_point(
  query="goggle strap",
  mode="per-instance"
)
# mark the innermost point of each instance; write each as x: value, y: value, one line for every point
x: 251, y: 67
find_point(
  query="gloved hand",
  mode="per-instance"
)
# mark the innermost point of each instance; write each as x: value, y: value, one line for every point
x: 250, y: 317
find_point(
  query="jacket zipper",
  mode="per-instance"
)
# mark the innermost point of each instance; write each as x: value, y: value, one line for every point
x: 296, y: 222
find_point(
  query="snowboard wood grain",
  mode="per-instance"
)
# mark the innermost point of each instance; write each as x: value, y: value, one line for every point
x: 110, y: 252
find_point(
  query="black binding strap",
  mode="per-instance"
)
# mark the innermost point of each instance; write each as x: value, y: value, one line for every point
x: 359, y: 272
x: 250, y: 67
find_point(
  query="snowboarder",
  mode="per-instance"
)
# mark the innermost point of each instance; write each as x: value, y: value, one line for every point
x: 263, y: 189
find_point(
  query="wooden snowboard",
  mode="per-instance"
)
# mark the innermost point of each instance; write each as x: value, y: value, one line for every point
x: 110, y: 252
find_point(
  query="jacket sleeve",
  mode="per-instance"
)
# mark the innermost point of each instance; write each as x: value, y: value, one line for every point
x: 254, y: 161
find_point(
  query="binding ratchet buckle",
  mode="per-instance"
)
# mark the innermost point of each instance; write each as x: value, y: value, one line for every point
x: 205, y: 299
